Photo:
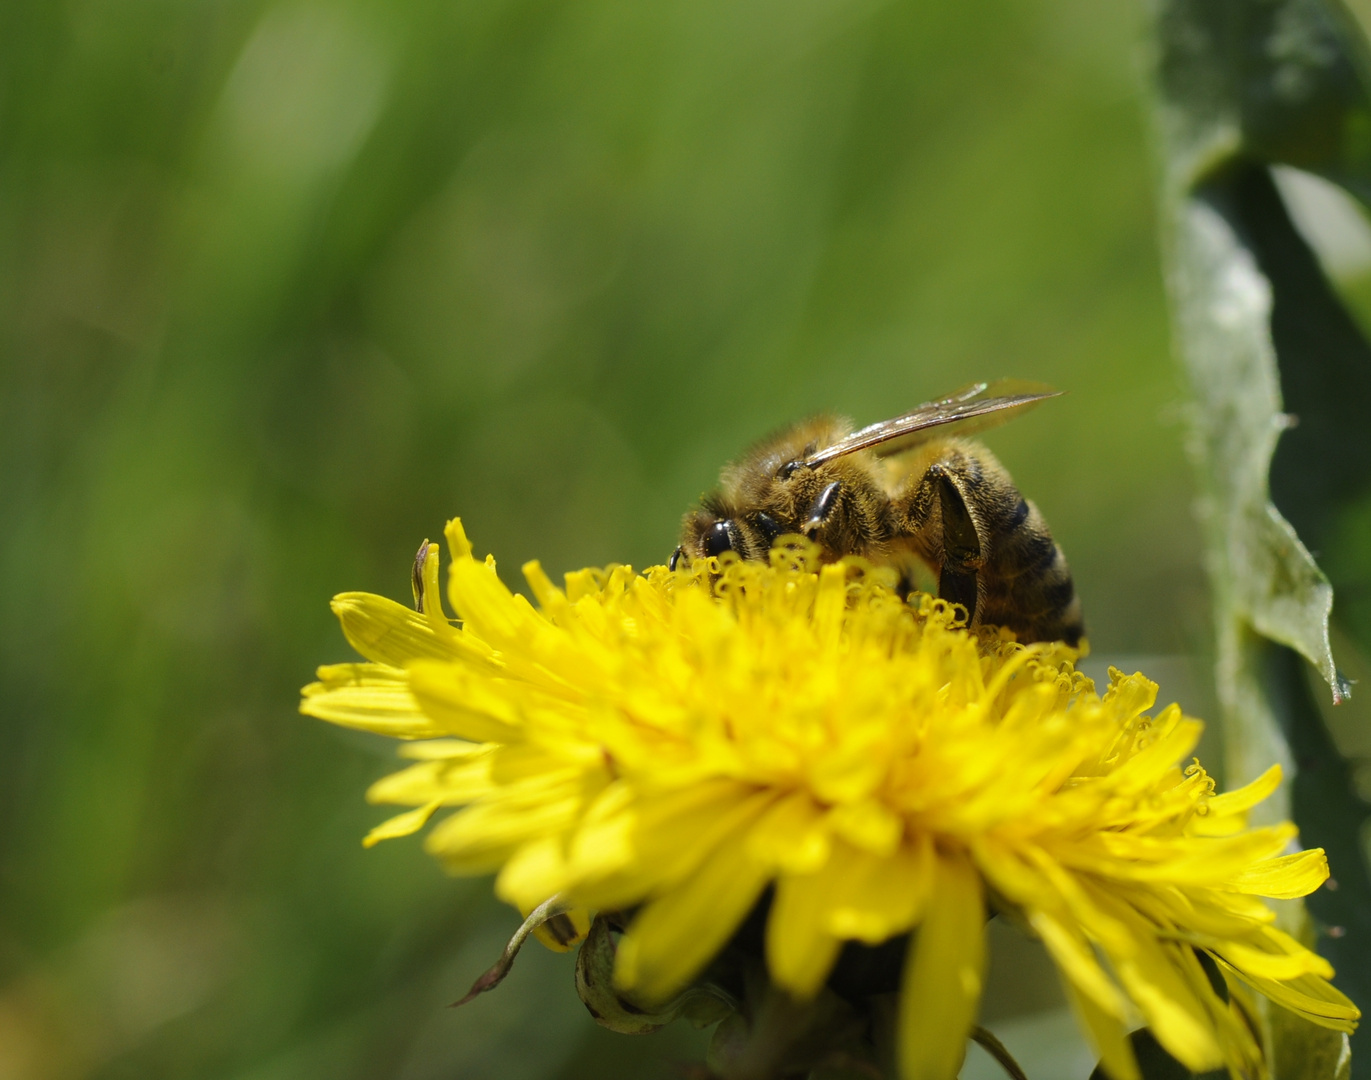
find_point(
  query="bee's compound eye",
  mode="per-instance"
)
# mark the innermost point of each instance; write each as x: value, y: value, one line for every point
x: 719, y: 538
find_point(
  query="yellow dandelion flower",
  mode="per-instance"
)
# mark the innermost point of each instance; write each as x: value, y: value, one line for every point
x: 675, y: 744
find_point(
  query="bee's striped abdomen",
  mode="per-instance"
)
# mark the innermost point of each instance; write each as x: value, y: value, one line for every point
x: 1026, y: 583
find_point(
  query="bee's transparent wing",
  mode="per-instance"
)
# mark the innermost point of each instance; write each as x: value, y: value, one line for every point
x: 972, y: 408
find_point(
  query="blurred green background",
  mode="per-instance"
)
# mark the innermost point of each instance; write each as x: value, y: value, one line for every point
x: 285, y: 285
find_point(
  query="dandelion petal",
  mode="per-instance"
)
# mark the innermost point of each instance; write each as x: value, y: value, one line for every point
x: 942, y: 980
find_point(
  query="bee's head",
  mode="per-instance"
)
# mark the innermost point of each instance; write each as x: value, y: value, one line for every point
x: 714, y: 529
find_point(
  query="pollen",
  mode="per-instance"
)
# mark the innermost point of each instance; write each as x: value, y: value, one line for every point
x: 675, y: 743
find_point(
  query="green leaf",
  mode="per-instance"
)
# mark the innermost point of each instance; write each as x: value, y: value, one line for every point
x: 1305, y: 1051
x: 1280, y: 376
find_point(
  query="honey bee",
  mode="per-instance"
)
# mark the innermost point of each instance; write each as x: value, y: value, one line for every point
x: 902, y: 492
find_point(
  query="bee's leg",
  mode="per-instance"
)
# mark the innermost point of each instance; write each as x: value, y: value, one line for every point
x: 960, y: 543
x: 936, y: 514
x: 824, y: 503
